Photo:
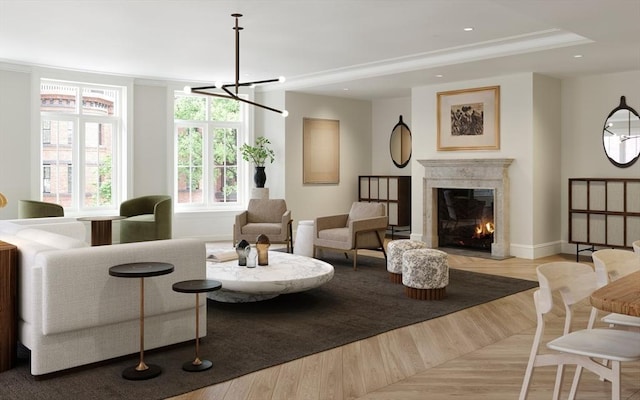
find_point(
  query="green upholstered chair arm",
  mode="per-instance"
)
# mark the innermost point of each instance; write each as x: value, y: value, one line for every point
x: 39, y: 209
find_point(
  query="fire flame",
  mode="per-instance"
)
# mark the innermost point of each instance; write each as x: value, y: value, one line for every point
x: 484, y: 229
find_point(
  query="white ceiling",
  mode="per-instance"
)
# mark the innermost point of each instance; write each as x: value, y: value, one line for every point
x: 375, y: 48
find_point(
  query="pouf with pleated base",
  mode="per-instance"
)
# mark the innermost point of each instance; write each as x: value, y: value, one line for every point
x: 425, y: 274
x: 395, y: 249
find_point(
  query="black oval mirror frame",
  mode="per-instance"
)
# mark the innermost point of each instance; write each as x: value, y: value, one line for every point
x: 400, y: 144
x: 621, y: 128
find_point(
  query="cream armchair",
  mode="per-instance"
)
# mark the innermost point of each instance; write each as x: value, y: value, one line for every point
x: 264, y: 216
x: 363, y: 228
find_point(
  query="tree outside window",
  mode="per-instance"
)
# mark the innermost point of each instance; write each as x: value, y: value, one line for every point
x: 207, y: 133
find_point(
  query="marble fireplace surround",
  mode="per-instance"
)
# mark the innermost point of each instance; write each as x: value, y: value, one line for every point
x: 485, y: 173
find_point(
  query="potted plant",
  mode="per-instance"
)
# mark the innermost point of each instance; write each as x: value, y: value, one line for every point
x: 258, y: 155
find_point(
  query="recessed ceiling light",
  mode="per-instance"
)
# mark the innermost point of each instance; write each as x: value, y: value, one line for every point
x: 439, y: 76
x: 578, y: 56
x: 345, y: 89
x: 468, y: 29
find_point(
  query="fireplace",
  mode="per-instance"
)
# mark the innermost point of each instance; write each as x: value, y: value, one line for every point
x: 465, y: 218
x: 460, y: 176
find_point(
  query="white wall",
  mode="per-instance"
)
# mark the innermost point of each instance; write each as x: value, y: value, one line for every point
x: 150, y: 136
x: 386, y: 114
x: 272, y: 126
x: 15, y: 138
x: 586, y: 103
x: 307, y: 201
x: 547, y: 183
x: 516, y: 141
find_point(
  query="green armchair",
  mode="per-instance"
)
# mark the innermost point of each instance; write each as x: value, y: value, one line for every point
x: 147, y: 218
x: 39, y: 209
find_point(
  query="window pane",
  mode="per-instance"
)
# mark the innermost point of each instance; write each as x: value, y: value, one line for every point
x: 225, y: 146
x: 96, y: 101
x: 190, y: 164
x: 190, y: 108
x: 57, y: 153
x: 225, y: 110
x: 58, y: 98
x: 98, y: 159
x: 225, y: 153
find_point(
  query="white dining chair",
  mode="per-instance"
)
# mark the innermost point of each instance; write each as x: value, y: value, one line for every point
x: 575, y: 282
x: 610, y: 265
x: 636, y: 247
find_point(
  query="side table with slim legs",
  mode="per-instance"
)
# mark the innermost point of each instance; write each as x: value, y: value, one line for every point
x: 197, y: 286
x: 141, y: 270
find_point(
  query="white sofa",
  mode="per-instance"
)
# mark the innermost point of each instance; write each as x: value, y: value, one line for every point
x: 72, y: 312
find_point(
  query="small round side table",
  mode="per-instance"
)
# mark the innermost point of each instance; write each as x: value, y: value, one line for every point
x: 141, y: 270
x: 197, y: 286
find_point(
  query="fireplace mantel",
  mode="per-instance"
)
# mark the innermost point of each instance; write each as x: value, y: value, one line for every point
x: 485, y: 173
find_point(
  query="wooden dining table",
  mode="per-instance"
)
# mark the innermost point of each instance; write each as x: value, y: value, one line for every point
x: 621, y: 296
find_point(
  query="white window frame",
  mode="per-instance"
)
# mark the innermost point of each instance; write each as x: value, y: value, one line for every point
x: 244, y: 134
x: 122, y: 141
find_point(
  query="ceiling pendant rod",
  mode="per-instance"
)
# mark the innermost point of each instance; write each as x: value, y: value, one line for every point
x: 225, y: 87
x: 237, y: 29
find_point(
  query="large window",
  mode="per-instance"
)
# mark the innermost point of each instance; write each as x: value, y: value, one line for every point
x: 81, y: 126
x: 208, y: 131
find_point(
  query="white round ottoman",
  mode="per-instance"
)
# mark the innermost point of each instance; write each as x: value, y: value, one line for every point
x: 395, y: 249
x: 425, y: 274
x: 303, y: 245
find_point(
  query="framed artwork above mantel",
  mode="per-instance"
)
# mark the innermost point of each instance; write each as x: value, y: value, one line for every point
x: 469, y: 119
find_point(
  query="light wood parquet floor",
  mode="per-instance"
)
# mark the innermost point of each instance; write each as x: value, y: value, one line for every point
x: 474, y: 354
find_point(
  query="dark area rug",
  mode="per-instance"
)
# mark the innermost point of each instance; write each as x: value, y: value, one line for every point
x: 243, y: 338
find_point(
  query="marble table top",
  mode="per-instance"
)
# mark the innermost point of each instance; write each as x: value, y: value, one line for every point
x: 286, y: 273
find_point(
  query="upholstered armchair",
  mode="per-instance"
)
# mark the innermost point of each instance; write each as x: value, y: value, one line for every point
x: 264, y: 216
x: 363, y: 228
x: 147, y: 218
x: 39, y: 209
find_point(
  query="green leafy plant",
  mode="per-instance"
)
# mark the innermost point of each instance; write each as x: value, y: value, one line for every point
x: 259, y: 153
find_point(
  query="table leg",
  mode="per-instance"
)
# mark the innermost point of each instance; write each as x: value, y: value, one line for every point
x: 101, y: 232
x: 197, y: 364
x: 141, y: 371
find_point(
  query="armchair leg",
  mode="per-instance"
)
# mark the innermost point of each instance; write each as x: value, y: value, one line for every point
x: 381, y: 241
x: 355, y: 259
x: 290, y: 241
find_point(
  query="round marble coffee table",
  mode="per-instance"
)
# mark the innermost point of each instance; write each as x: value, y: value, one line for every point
x: 286, y: 273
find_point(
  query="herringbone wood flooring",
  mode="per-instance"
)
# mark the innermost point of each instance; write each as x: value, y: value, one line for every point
x: 474, y: 354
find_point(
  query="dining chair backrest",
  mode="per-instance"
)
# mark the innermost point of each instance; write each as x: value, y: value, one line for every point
x: 574, y: 281
x: 612, y: 264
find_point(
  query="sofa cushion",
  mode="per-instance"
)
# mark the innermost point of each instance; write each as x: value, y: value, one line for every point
x: 142, y: 218
x: 262, y: 228
x: 54, y: 240
x: 63, y: 225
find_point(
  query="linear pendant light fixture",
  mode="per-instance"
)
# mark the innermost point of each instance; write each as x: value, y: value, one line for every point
x: 229, y: 94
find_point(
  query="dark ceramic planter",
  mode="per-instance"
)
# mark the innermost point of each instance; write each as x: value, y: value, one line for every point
x: 260, y: 177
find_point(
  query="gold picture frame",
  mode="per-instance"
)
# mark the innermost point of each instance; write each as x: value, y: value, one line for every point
x: 320, y: 151
x: 469, y: 119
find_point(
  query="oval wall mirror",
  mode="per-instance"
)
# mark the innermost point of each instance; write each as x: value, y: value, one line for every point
x: 621, y: 135
x: 400, y: 144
